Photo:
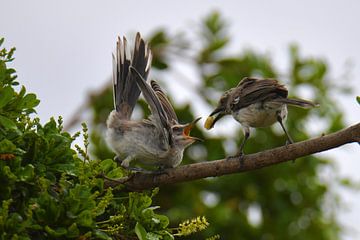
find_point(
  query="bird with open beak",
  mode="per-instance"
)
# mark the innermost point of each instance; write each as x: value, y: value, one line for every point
x: 158, y: 141
x: 255, y: 103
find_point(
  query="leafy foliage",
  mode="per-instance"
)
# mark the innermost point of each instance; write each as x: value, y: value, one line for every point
x: 50, y: 191
x: 293, y: 202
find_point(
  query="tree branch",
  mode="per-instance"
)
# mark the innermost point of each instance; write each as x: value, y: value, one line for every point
x: 141, y: 181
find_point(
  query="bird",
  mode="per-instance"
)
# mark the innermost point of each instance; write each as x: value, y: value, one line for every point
x: 158, y: 141
x: 256, y: 103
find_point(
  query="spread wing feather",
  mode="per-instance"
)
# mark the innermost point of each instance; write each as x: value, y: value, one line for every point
x: 164, y: 101
x: 161, y: 120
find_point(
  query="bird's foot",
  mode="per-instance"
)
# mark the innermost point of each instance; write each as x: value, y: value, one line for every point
x: 238, y: 155
x: 289, y: 141
x: 137, y: 169
x: 161, y: 170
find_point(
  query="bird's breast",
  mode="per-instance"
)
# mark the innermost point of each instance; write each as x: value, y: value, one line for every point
x: 260, y: 114
x: 144, y: 143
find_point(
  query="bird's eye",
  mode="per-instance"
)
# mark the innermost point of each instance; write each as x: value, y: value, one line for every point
x: 236, y: 100
x: 175, y: 129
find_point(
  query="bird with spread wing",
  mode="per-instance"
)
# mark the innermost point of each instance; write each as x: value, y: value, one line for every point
x: 157, y: 141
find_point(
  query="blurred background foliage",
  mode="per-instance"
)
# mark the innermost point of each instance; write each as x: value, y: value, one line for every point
x: 286, y: 201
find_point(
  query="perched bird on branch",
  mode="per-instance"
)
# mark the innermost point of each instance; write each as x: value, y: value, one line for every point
x: 157, y: 141
x: 256, y: 103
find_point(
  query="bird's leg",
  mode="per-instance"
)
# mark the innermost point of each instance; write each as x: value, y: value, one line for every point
x: 279, y: 119
x: 126, y: 163
x: 246, y: 136
x: 240, y: 154
x: 117, y: 159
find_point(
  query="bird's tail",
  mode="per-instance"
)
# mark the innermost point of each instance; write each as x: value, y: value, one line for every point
x: 297, y: 102
x: 126, y: 91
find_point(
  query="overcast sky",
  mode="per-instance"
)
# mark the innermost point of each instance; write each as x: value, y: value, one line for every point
x: 64, y: 48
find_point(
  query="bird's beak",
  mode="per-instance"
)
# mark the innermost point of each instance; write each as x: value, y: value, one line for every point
x: 211, y: 120
x: 188, y: 127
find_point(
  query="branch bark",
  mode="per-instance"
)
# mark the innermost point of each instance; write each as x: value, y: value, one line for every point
x: 142, y: 181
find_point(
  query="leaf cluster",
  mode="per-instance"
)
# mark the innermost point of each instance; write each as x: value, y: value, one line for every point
x: 49, y: 190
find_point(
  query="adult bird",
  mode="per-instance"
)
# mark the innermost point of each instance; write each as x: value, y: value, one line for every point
x: 256, y: 103
x: 158, y: 141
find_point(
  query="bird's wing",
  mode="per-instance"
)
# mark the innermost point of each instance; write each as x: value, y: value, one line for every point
x: 164, y: 101
x: 161, y: 120
x: 252, y: 90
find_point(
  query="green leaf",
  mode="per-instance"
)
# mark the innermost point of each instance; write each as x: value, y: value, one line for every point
x: 68, y: 168
x: 159, y: 64
x: 58, y: 232
x: 7, y: 146
x: 166, y: 235
x: 99, y: 183
x: 358, y: 99
x: 6, y: 95
x: 14, y: 220
x: 26, y: 173
x: 153, y: 236
x: 101, y: 235
x: 7, y: 122
x: 29, y: 101
x: 138, y: 202
x: 73, y: 231
x: 107, y: 165
x: 85, y: 219
x: 214, y: 23
x: 115, y: 173
x: 140, y: 231
x: 159, y: 38
x: 22, y: 91
x: 49, y: 210
x: 164, y: 220
x: 6, y: 171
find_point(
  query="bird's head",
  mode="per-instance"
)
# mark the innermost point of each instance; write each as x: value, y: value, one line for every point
x: 222, y: 109
x: 182, y: 134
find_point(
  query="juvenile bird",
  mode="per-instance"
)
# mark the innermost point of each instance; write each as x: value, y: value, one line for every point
x: 158, y: 141
x: 255, y: 103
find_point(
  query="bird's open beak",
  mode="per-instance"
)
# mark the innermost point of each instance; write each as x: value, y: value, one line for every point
x: 211, y: 120
x: 188, y: 127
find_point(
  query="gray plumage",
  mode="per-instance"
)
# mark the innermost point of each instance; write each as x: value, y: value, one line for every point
x: 256, y: 103
x: 157, y: 141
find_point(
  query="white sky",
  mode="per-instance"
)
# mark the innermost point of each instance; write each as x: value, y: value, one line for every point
x: 64, y: 48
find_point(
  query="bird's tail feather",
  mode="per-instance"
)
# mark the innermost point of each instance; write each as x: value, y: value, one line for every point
x: 126, y: 91
x: 297, y: 102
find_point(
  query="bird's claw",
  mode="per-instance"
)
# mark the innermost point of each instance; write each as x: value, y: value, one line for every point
x: 288, y: 142
x: 240, y: 155
x: 139, y: 170
x: 160, y: 170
